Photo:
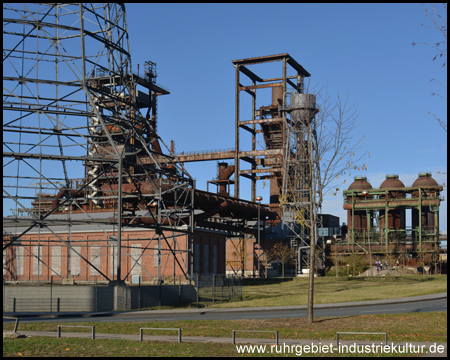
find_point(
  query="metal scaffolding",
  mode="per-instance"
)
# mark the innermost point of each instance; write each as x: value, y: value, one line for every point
x: 71, y: 105
x: 286, y: 130
x: 267, y: 163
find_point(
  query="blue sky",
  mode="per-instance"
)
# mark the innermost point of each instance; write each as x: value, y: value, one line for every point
x: 360, y: 49
x: 363, y: 50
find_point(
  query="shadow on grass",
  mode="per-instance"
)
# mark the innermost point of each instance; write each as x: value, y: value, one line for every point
x: 256, y: 281
x: 322, y: 320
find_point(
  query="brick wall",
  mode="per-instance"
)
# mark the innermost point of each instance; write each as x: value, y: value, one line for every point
x: 141, y: 255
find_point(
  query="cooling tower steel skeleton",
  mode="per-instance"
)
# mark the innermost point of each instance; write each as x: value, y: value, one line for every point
x: 71, y: 104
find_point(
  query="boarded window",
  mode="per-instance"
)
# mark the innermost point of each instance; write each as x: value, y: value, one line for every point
x: 75, y: 261
x: 113, y: 260
x: 157, y: 256
x: 37, y: 265
x: 136, y: 259
x: 95, y: 259
x: 56, y: 260
x: 19, y: 260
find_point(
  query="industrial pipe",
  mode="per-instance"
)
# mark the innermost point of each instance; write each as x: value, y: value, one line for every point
x: 391, y: 204
x: 63, y: 192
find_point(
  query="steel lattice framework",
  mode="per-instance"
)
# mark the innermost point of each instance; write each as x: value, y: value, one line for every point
x: 71, y: 106
x: 286, y: 130
x: 298, y: 193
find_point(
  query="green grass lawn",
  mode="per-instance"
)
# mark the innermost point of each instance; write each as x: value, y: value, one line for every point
x: 332, y: 290
x: 400, y: 327
x: 429, y: 327
x: 73, y: 347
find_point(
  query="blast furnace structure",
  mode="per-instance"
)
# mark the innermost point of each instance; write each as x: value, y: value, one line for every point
x: 94, y: 192
x: 377, y: 220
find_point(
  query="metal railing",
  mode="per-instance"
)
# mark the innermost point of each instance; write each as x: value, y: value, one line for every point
x: 141, y: 332
x: 16, y: 325
x: 214, y: 288
x: 58, y: 333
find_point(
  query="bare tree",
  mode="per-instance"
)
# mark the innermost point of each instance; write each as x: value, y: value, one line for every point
x: 324, y: 150
x: 437, y: 20
x: 283, y: 253
x: 238, y: 256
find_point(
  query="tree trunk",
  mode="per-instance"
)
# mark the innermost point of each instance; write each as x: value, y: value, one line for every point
x: 337, y: 264
x: 311, y: 276
x: 313, y: 220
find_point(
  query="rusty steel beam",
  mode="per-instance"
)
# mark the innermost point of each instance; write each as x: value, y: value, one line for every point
x: 227, y: 227
x: 261, y: 121
x: 261, y: 86
x: 256, y: 171
x: 259, y: 59
x: 248, y: 91
x: 21, y: 156
x: 250, y: 177
x: 205, y: 156
x: 250, y: 74
x: 223, y: 155
x: 270, y: 58
x: 245, y: 127
x: 236, y: 130
x: 280, y: 78
x: 278, y: 57
x: 253, y: 162
x: 291, y: 83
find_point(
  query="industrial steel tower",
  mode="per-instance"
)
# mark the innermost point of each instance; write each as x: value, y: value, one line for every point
x: 286, y: 126
x: 79, y: 136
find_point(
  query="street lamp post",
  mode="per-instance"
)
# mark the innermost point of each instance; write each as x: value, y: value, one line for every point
x: 366, y: 194
x: 259, y: 199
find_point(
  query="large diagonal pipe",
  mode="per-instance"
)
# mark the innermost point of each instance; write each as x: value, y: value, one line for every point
x: 210, y: 203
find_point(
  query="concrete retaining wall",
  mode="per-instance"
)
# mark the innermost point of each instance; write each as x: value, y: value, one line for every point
x: 62, y: 298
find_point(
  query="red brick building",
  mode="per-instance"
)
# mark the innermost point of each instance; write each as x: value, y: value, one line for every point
x: 92, y: 255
